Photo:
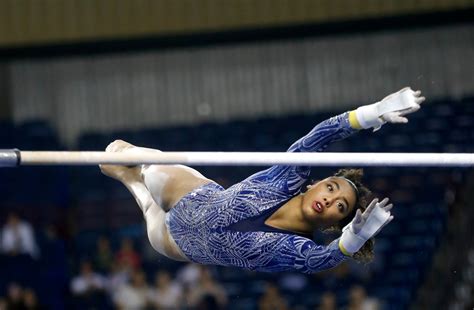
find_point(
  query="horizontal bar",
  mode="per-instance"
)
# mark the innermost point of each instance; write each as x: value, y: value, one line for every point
x: 241, y: 159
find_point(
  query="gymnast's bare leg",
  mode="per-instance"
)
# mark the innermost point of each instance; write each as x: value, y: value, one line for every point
x: 156, y: 188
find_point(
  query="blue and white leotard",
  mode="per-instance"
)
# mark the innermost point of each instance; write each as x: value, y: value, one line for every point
x: 217, y: 226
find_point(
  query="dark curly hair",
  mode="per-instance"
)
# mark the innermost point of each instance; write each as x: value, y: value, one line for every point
x: 366, y: 253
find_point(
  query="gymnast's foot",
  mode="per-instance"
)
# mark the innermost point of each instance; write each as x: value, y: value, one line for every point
x: 120, y: 173
x: 118, y: 146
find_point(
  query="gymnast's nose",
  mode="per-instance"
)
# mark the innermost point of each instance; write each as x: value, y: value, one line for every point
x: 327, y: 201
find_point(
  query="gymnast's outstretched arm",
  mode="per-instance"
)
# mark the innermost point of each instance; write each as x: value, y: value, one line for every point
x: 289, y: 179
x: 311, y: 257
x: 392, y: 109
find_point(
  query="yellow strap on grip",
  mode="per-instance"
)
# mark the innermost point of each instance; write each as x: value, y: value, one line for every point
x: 343, y: 250
x: 353, y: 120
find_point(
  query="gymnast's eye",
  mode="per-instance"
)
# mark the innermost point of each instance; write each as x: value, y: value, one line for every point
x: 340, y: 206
x: 330, y: 188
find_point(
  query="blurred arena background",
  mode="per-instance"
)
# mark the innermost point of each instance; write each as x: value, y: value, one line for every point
x: 233, y: 75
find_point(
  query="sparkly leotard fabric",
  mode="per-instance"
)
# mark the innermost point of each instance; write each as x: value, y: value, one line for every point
x: 205, y: 222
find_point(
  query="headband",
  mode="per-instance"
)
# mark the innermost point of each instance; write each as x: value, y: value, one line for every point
x: 353, y: 186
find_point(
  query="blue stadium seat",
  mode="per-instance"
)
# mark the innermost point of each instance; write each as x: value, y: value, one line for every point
x: 92, y: 142
x: 36, y: 135
x: 7, y: 135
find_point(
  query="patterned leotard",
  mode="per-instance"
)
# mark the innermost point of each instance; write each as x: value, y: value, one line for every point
x: 206, y: 222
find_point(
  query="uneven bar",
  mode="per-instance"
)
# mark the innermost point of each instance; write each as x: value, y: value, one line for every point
x: 11, y: 158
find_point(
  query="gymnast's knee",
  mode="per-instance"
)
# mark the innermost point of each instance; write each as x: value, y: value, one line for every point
x: 155, y: 180
x: 156, y: 240
x: 160, y: 241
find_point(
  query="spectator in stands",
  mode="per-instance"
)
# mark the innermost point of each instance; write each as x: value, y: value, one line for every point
x: 166, y: 294
x: 207, y: 291
x: 15, y: 297
x: 119, y: 276
x: 30, y: 300
x: 272, y: 299
x: 3, y: 303
x: 189, y: 275
x: 88, y: 287
x: 104, y: 256
x: 358, y: 299
x: 18, y: 237
x: 266, y: 222
x: 328, y: 301
x: 292, y: 281
x: 133, y: 295
x: 127, y: 255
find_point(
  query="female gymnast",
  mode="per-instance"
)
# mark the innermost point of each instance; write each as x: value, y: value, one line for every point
x: 265, y: 222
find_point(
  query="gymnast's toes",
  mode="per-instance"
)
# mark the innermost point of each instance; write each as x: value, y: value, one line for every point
x: 118, y: 146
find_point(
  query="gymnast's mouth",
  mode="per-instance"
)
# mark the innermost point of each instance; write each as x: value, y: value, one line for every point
x: 318, y: 207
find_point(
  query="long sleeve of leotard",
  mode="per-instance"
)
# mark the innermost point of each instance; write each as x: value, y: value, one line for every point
x: 328, y: 131
x: 289, y: 179
x: 319, y: 258
x: 309, y: 257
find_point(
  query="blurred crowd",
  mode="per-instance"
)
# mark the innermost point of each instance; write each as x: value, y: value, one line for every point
x: 18, y: 239
x: 117, y: 280
x: 106, y: 278
x: 19, y: 297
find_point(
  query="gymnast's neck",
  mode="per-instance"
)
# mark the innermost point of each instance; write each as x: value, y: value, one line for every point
x: 290, y: 217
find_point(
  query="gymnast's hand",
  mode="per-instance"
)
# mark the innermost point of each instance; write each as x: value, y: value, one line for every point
x: 391, y: 109
x: 365, y: 225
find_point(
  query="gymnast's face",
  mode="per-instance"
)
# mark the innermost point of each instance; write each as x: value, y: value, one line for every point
x: 329, y: 201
